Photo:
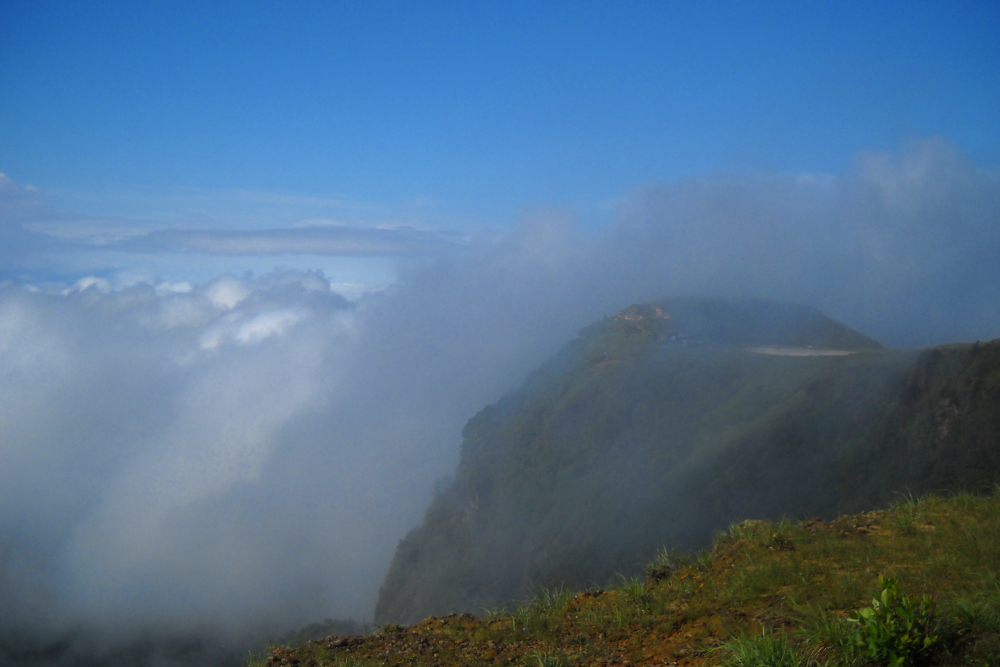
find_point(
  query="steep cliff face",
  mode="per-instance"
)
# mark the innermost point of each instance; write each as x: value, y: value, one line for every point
x: 664, y: 423
x: 941, y: 432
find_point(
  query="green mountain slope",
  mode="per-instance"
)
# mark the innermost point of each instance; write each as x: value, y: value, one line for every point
x: 672, y: 419
x: 768, y: 593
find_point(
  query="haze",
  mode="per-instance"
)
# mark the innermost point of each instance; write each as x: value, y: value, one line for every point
x: 259, y: 266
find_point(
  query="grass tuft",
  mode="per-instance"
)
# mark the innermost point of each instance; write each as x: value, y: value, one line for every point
x: 763, y: 650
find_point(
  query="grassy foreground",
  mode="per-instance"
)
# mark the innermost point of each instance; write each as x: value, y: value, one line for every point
x: 912, y: 585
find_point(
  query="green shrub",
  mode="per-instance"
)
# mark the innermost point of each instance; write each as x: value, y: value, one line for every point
x: 895, y: 630
x: 390, y: 628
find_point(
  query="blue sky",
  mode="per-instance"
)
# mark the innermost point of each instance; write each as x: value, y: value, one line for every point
x: 459, y: 115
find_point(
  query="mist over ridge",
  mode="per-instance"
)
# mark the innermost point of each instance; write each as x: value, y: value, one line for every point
x: 668, y: 422
x: 247, y: 453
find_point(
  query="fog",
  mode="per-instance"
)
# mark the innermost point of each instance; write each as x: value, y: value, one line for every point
x: 245, y: 453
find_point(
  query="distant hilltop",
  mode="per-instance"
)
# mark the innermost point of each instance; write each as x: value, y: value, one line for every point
x: 726, y: 322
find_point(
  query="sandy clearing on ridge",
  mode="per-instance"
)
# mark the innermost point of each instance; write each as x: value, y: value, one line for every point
x: 799, y: 351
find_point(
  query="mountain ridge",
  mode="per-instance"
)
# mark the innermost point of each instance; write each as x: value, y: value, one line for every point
x: 657, y: 426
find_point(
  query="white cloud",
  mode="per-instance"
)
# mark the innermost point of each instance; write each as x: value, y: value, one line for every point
x: 100, y: 284
x: 227, y: 291
x: 181, y: 287
x: 114, y: 421
x: 901, y: 248
x: 266, y: 325
x: 251, y: 330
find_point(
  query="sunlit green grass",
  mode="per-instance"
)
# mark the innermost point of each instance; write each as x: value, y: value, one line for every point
x: 777, y: 593
x: 806, y: 578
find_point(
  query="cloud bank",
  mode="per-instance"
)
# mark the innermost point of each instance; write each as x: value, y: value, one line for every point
x: 327, y: 240
x: 902, y: 248
x: 195, y: 235
x: 246, y: 452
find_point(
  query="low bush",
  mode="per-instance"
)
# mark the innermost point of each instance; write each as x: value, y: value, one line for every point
x: 895, y: 630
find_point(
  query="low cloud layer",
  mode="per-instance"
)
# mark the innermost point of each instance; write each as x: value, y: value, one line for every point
x: 247, y: 451
x: 191, y: 233
x: 326, y: 240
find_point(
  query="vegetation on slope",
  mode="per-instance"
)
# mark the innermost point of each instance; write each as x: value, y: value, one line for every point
x: 607, y: 452
x: 848, y: 592
x: 661, y: 425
